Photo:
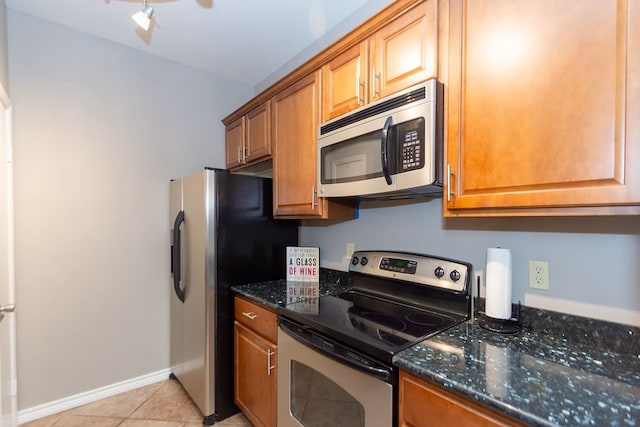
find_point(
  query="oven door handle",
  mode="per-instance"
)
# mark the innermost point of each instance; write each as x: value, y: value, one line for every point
x: 381, y: 373
x: 385, y: 149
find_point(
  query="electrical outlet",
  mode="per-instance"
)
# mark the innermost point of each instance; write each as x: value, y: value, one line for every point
x: 539, y: 274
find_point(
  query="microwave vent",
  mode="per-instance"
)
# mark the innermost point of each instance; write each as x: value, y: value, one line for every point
x: 389, y: 104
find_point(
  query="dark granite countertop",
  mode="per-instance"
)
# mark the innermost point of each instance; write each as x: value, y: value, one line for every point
x: 559, y: 370
x: 540, y: 376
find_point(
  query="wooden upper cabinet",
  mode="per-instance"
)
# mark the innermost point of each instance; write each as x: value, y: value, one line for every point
x: 344, y: 82
x: 542, y: 100
x: 404, y: 52
x: 248, y: 138
x: 234, y: 136
x: 398, y: 55
x: 295, y: 118
x: 259, y: 132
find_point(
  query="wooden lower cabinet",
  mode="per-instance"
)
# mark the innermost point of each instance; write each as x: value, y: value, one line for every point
x: 255, y: 365
x: 423, y: 404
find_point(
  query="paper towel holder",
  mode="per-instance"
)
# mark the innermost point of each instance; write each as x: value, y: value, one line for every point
x: 502, y: 326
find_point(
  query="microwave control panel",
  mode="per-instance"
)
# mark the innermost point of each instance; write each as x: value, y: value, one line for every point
x: 411, y: 139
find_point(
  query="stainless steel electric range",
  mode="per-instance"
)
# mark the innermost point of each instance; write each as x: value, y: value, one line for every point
x: 335, y: 352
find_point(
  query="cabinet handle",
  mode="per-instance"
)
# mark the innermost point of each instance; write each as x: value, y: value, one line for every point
x: 244, y: 153
x: 313, y: 198
x: 249, y: 315
x: 449, y: 192
x: 376, y: 83
x: 359, y: 85
x: 269, y: 366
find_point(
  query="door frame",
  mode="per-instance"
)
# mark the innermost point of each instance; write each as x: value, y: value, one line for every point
x: 8, y: 381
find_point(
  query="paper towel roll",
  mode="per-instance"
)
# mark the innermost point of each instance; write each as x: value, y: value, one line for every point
x: 498, y: 281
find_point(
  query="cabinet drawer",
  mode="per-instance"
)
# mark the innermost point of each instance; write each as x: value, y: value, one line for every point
x: 257, y: 318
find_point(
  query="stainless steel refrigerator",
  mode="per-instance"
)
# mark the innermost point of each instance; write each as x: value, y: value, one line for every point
x: 223, y: 234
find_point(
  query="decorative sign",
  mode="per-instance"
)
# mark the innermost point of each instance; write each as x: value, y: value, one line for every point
x: 303, y: 279
x: 302, y: 297
x: 303, y: 264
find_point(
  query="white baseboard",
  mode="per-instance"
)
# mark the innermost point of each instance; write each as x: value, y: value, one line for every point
x: 80, y: 399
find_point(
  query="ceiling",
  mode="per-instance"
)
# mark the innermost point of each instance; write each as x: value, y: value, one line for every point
x: 239, y: 40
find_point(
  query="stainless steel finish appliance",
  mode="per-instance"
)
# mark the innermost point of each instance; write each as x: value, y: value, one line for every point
x: 389, y: 149
x: 223, y: 234
x: 335, y: 353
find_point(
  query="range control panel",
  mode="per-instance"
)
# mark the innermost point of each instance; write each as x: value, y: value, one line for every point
x: 416, y: 268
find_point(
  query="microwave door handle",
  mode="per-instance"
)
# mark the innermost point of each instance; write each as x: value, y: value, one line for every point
x: 385, y: 149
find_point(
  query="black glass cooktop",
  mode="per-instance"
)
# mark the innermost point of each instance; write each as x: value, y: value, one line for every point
x: 369, y: 323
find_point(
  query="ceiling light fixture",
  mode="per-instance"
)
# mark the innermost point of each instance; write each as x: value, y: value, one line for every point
x: 143, y: 17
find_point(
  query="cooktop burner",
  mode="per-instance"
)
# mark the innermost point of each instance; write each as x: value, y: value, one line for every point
x: 397, y: 300
x: 425, y: 319
x: 379, y: 320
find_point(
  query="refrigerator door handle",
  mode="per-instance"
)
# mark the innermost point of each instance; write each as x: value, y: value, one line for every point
x: 175, y: 259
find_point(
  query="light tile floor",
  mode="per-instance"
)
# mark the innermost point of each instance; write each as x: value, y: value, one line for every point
x: 164, y: 404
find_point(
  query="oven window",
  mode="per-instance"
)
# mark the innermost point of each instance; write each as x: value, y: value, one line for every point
x: 316, y: 401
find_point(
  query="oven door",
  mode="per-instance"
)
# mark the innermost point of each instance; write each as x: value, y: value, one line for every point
x: 315, y: 389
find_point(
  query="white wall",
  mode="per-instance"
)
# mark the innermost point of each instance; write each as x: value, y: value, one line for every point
x: 100, y: 129
x: 594, y: 262
x: 4, y: 57
x: 370, y: 8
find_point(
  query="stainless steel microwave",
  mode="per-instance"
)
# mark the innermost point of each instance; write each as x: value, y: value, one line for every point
x: 391, y: 148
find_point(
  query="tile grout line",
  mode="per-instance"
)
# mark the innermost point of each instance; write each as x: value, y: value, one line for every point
x: 144, y: 401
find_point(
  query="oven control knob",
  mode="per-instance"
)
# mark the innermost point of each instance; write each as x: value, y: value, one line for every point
x: 455, y: 275
x: 364, y: 260
x: 439, y: 272
x: 355, y: 260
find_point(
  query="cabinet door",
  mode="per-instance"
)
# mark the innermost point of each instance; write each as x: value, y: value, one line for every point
x: 424, y: 404
x: 255, y: 377
x: 234, y: 137
x: 295, y: 114
x: 295, y: 118
x: 541, y: 96
x: 404, y: 52
x: 345, y: 82
x: 258, y: 125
